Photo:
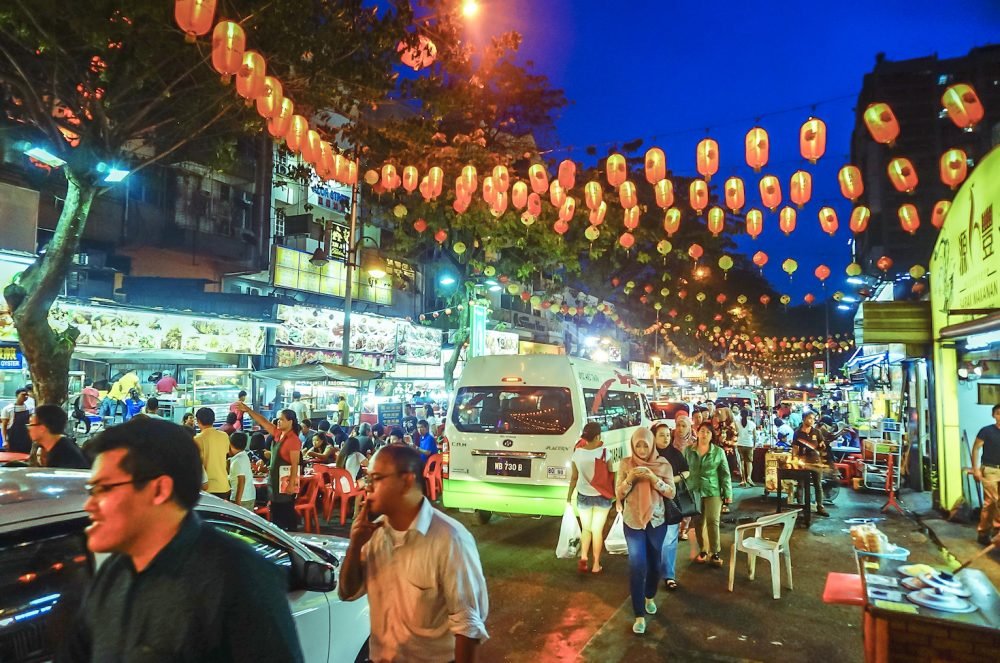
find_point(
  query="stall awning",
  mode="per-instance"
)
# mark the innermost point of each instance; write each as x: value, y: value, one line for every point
x: 864, y: 362
x: 152, y: 356
x: 984, y: 325
x: 894, y: 322
x: 316, y: 371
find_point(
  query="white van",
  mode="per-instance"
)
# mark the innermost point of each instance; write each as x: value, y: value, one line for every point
x: 741, y: 398
x: 513, y: 425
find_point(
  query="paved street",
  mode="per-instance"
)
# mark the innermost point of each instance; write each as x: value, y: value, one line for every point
x: 540, y: 608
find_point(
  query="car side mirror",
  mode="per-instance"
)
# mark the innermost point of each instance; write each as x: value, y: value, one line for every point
x: 318, y: 577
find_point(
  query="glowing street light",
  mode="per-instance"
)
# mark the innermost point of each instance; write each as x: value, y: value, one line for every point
x: 470, y: 8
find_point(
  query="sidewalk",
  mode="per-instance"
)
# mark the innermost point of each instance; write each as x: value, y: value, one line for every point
x: 704, y: 622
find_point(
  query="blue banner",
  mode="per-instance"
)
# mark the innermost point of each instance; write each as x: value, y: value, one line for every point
x: 11, y: 358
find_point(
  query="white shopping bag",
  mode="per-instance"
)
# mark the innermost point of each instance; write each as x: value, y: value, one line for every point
x: 615, y: 541
x: 569, y: 535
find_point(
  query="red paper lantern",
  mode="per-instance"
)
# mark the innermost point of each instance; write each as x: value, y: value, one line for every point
x: 735, y: 194
x: 420, y: 225
x: 909, y: 218
x: 963, y: 105
x: 822, y: 273
x: 250, y: 77
x: 194, y: 17
x: 596, y: 217
x: 757, y: 148
x: 884, y: 263
x: 617, y: 170
x: 851, y: 184
x: 311, y: 147
x: 538, y: 177
x: 664, y: 191
x: 534, y: 204
x: 228, y: 44
x: 501, y: 178
x: 941, y: 208
x: 567, y: 174
x: 902, y: 174
x: 435, y: 176
x: 698, y: 193
x: 954, y: 167
x: 626, y: 240
x: 765, y: 299
x: 567, y: 209
x: 269, y: 101
x: 695, y: 251
x: 627, y: 195
x: 721, y: 298
x: 656, y: 165
x: 770, y: 192
x: 440, y: 236
x: 560, y: 227
x: 470, y: 179
x: 519, y: 195
x: 787, y: 219
x: 278, y: 125
x: 881, y: 123
x: 860, y: 217
x: 801, y: 188
x: 828, y: 220
x: 671, y: 221
x: 593, y: 194
x: 557, y: 194
x: 707, y: 158
x: 760, y: 259
x: 812, y: 139
x: 489, y: 192
x: 755, y: 223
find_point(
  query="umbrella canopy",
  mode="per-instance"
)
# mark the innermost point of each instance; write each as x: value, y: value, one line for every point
x: 317, y: 371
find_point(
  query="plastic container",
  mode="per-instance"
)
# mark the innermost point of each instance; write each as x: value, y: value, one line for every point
x: 897, y: 552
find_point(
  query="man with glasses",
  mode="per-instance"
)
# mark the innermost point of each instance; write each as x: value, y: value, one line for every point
x: 172, y: 585
x: 419, y: 567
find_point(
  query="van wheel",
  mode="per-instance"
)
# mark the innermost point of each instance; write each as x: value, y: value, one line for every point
x: 483, y: 516
x: 362, y: 656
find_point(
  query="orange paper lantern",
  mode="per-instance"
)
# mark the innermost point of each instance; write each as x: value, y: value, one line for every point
x: 860, y: 216
x: 617, y: 170
x: 596, y: 217
x: 538, y: 177
x: 787, y: 219
x: 269, y: 101
x: 534, y: 204
x: 809, y: 298
x: 902, y: 174
x: 296, y: 135
x: 567, y: 209
x: 627, y: 195
x: 411, y: 178
x: 881, y: 123
x: 390, y: 178
x: 251, y: 76
x: 656, y: 165
x: 278, y: 125
x: 716, y: 221
x: 770, y: 192
x: 884, y: 263
x: 954, y: 167
x: 499, y: 203
x: 735, y: 194
x: 567, y: 174
x: 707, y: 158
x: 664, y: 191
x: 631, y: 218
x: 593, y: 194
x: 489, y: 191
x: 435, y: 176
x: 851, y: 184
x: 310, y: 147
x: 671, y: 221
x: 909, y: 218
x: 698, y: 194
x: 963, y: 105
x: 519, y: 195
x: 828, y: 220
x: 228, y: 44
x: 755, y: 222
x: 626, y: 240
x: 801, y: 188
x: 765, y: 299
x: 501, y: 178
x: 470, y: 179
x: 812, y: 139
x: 194, y: 17
x: 757, y: 148
x: 941, y: 208
x: 557, y: 194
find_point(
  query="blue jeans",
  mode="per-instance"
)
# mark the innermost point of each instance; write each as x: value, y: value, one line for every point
x: 644, y: 550
x: 668, y: 558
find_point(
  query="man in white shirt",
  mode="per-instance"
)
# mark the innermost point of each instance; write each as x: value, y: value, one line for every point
x: 419, y: 567
x: 299, y: 407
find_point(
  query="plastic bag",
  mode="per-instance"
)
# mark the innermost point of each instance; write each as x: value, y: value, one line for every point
x: 569, y: 535
x: 615, y: 541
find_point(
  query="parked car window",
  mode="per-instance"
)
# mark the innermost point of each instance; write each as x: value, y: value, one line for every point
x: 44, y: 573
x: 263, y: 543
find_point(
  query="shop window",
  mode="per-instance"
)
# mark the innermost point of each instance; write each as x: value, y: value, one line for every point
x: 989, y: 394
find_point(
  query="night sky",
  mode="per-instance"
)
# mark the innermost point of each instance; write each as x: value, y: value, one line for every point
x: 667, y: 71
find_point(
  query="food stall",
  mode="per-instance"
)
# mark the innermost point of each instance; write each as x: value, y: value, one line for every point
x: 316, y: 374
x: 214, y: 388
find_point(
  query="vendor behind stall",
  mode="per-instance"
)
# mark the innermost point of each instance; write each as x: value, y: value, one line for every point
x: 809, y: 449
x: 166, y: 384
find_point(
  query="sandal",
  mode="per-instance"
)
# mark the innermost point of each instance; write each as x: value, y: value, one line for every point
x: 671, y: 584
x: 725, y: 508
x: 581, y: 565
x: 684, y: 535
x: 701, y: 558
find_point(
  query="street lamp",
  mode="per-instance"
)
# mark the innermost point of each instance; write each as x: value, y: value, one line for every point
x: 470, y: 8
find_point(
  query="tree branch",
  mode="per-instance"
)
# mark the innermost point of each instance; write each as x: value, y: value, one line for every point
x: 42, y: 118
x: 184, y: 141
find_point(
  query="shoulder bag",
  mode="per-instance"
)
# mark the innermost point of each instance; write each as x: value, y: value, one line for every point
x: 604, y: 478
x: 686, y: 500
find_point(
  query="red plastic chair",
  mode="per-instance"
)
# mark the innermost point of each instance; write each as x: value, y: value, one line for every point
x: 263, y: 511
x: 846, y: 473
x: 305, y: 505
x: 843, y: 589
x: 432, y: 477
x: 341, y: 487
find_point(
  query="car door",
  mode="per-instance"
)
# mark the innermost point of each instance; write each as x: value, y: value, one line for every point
x: 310, y: 610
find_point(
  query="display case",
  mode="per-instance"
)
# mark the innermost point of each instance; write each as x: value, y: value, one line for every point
x: 215, y: 388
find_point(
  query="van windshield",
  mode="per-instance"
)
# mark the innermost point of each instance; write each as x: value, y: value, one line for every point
x: 513, y: 410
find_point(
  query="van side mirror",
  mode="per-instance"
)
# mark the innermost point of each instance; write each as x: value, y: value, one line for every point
x: 318, y: 577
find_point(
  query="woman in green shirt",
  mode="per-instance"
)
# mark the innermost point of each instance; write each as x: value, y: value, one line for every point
x: 710, y: 479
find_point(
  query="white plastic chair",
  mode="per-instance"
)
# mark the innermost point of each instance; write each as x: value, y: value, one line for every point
x: 771, y: 549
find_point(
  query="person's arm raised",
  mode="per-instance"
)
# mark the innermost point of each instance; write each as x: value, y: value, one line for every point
x: 259, y: 418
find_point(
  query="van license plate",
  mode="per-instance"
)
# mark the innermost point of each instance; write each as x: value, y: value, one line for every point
x: 508, y: 467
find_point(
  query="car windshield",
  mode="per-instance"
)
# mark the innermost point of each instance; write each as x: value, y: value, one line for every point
x: 513, y: 410
x: 733, y: 401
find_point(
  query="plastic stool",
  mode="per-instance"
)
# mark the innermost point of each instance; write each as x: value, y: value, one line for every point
x: 846, y: 473
x: 843, y: 589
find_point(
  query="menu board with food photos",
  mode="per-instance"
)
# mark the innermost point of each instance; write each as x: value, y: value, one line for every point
x: 128, y: 329
x: 419, y: 345
x: 501, y: 343
x: 323, y: 329
x: 295, y: 356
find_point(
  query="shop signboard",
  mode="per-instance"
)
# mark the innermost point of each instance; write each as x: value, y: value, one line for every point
x: 501, y: 343
x: 11, y: 358
x: 106, y: 327
x: 532, y: 348
x: 419, y: 345
x: 369, y: 362
x: 390, y: 414
x: 315, y: 332
x: 291, y: 269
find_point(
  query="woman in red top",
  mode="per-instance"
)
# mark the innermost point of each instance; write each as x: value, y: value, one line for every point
x: 283, y: 473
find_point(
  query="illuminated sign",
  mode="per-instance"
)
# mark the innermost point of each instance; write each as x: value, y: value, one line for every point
x: 532, y: 348
x: 11, y: 358
x: 501, y: 343
x: 291, y: 269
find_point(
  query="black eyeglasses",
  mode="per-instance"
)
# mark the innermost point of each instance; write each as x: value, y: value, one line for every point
x: 98, y: 489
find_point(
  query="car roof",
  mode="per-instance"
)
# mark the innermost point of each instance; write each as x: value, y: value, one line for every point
x: 30, y: 493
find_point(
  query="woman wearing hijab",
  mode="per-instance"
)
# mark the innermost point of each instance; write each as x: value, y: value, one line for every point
x: 679, y: 469
x: 644, y: 479
x: 683, y: 438
x: 711, y: 480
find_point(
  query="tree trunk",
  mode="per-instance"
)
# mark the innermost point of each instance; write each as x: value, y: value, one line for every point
x: 461, y: 336
x: 48, y: 352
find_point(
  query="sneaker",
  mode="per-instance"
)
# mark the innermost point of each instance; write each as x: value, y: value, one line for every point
x: 716, y: 560
x: 701, y: 558
x: 823, y: 512
x: 650, y: 607
x: 639, y: 627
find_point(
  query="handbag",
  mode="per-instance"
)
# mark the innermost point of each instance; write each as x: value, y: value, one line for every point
x: 686, y: 500
x: 604, y: 478
x: 671, y: 512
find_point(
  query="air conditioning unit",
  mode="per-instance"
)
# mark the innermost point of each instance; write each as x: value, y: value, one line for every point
x: 253, y: 291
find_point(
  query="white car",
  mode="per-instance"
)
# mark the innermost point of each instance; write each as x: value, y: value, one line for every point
x: 45, y: 567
